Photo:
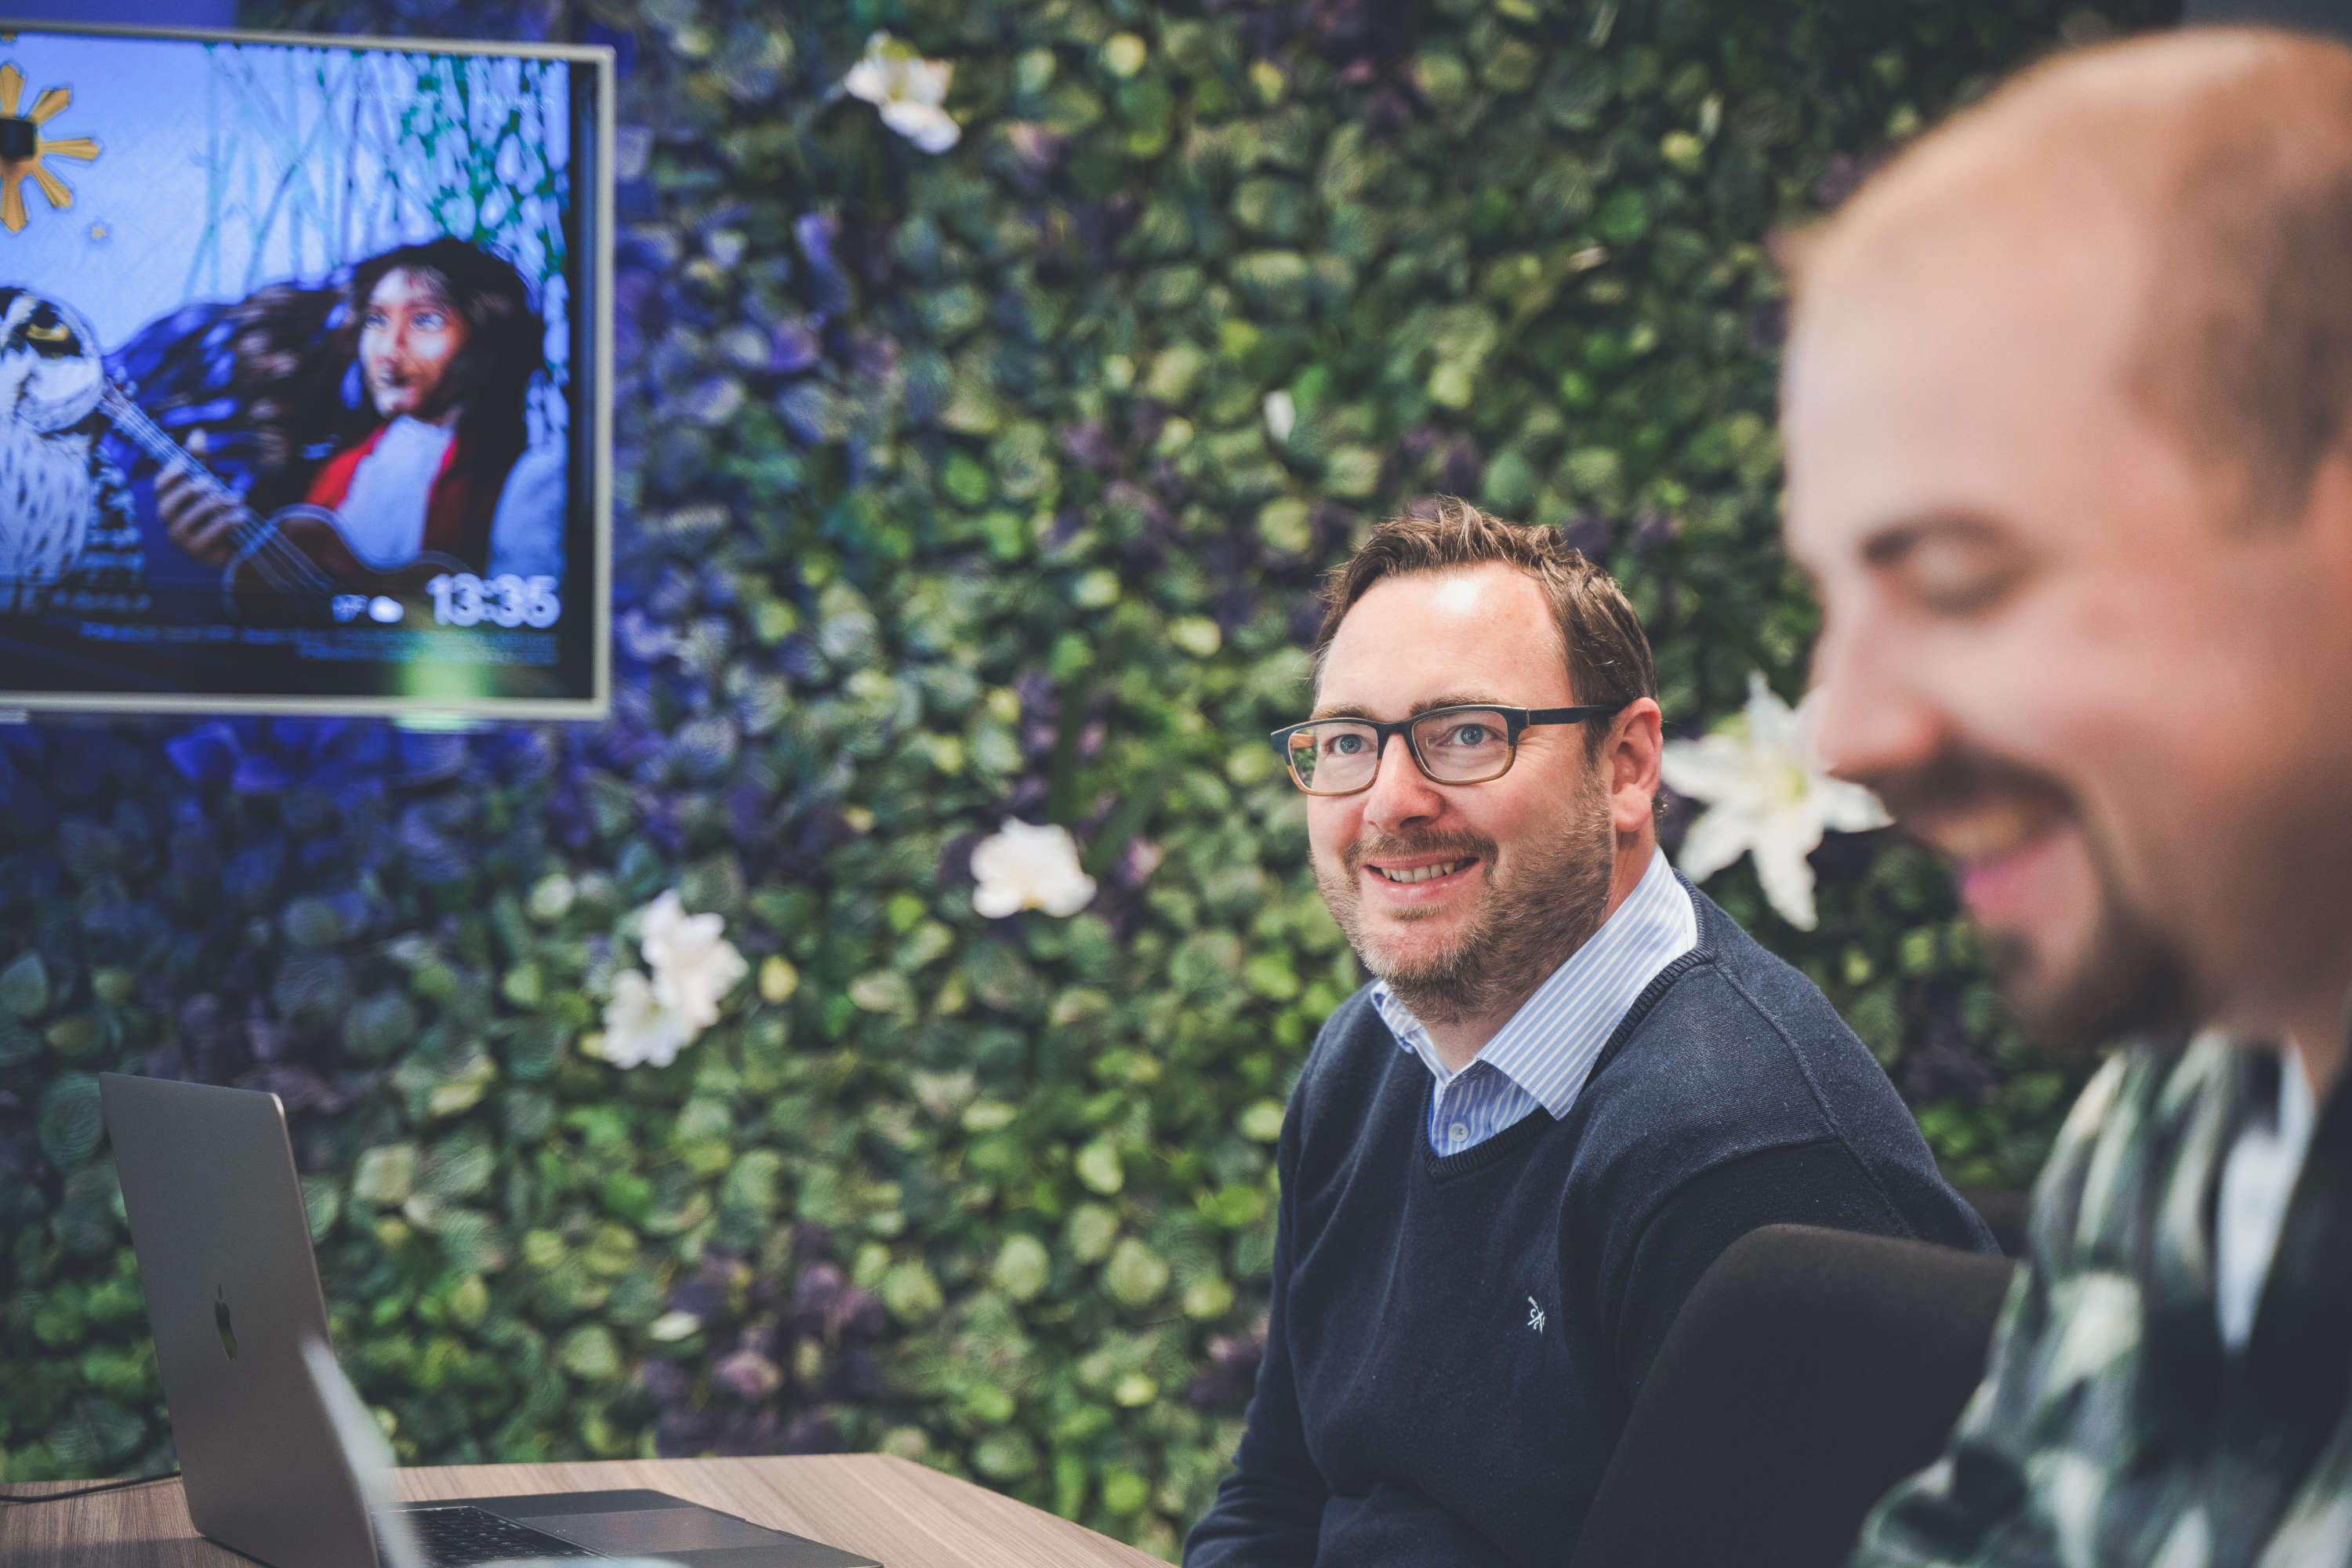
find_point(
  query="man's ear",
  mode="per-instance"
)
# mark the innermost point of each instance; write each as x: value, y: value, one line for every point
x: 1636, y: 741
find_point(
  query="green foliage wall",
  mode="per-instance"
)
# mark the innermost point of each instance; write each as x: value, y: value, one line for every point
x: 947, y: 494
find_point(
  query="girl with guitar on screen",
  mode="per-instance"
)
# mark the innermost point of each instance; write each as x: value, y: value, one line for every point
x: 438, y: 481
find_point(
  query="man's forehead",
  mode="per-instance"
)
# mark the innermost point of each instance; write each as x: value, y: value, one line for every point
x: 1980, y: 246
x: 1459, y: 594
x: 1487, y: 624
x: 1487, y: 600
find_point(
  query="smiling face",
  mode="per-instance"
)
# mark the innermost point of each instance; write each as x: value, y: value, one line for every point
x: 1462, y: 896
x: 2048, y: 642
x: 409, y: 336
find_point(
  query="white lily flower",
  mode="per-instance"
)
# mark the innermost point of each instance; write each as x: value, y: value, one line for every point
x: 639, y: 1026
x: 1768, y: 795
x: 694, y: 966
x: 1025, y: 868
x: 909, y: 89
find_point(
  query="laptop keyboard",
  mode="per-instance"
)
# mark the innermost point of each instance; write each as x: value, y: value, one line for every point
x: 455, y: 1537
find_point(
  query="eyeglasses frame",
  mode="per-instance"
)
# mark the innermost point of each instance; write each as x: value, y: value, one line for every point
x: 1515, y: 720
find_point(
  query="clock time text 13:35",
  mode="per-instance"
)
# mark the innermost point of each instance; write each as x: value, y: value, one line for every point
x: 462, y: 599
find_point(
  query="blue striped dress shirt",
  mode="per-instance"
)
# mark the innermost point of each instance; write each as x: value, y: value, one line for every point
x: 1542, y: 1056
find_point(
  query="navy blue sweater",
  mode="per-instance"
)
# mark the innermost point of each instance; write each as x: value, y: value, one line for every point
x: 1454, y: 1340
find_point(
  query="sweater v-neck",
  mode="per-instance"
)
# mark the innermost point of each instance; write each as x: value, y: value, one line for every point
x: 1440, y: 1168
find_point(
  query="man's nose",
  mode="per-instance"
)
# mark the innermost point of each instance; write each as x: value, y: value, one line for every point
x: 1401, y: 794
x: 1868, y: 717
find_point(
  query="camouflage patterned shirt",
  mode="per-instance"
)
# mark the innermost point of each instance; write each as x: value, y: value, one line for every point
x: 2112, y: 1429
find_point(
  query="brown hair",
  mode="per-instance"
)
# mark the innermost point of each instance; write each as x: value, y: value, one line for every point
x: 1601, y: 641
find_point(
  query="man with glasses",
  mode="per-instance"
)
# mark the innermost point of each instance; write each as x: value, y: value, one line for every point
x: 1573, y: 1083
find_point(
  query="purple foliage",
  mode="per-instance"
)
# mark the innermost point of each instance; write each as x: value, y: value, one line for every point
x: 1590, y: 532
x: 750, y: 1399
x: 816, y: 233
x: 748, y: 1376
x: 1089, y: 445
x: 792, y: 347
x: 1225, y: 1383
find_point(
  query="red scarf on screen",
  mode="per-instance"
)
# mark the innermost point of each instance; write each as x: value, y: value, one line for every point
x: 457, y: 512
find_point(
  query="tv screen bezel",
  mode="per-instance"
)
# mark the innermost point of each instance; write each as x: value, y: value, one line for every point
x: 590, y: 216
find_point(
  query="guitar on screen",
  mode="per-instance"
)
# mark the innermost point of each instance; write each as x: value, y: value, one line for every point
x: 295, y: 563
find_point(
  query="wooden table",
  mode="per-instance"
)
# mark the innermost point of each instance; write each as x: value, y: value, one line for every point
x: 886, y: 1508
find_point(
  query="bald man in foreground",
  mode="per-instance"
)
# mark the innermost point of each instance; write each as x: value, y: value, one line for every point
x: 2068, y: 415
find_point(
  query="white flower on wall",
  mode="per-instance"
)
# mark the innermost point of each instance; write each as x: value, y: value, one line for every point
x: 1025, y: 868
x: 639, y: 1026
x: 909, y: 89
x: 694, y: 966
x: 1767, y: 794
x: 649, y: 1021
x: 1281, y: 412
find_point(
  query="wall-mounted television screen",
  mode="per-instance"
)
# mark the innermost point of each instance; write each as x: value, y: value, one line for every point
x: 303, y: 374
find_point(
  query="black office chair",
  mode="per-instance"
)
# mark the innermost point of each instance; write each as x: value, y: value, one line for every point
x: 2007, y: 1213
x: 1809, y: 1372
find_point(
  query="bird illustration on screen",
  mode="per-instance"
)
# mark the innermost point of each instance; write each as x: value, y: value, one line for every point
x: 50, y: 377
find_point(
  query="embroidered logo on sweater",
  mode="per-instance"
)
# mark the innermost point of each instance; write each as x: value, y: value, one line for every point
x: 1535, y: 1315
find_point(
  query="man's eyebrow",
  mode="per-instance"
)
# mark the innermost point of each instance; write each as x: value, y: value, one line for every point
x: 1889, y: 545
x: 1352, y: 711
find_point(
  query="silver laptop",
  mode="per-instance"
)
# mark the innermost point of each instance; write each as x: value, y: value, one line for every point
x: 224, y: 1249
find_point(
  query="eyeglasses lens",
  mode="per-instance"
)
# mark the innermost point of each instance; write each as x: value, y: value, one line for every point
x: 1335, y: 757
x: 1463, y: 745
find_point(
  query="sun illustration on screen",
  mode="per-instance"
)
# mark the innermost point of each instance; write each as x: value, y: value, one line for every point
x: 23, y: 147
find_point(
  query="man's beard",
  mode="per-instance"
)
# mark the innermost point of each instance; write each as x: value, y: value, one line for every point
x: 1555, y: 900
x: 2131, y: 979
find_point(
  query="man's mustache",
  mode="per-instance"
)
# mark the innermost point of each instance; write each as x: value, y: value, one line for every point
x: 1397, y: 845
x: 1959, y: 779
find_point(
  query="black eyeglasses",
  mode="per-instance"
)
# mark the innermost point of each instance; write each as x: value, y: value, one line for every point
x: 1461, y: 745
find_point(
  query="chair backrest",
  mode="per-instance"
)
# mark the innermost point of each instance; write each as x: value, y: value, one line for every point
x: 2007, y: 1213
x: 1809, y: 1372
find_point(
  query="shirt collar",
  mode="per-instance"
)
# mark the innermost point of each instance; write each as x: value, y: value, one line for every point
x: 1550, y: 1044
